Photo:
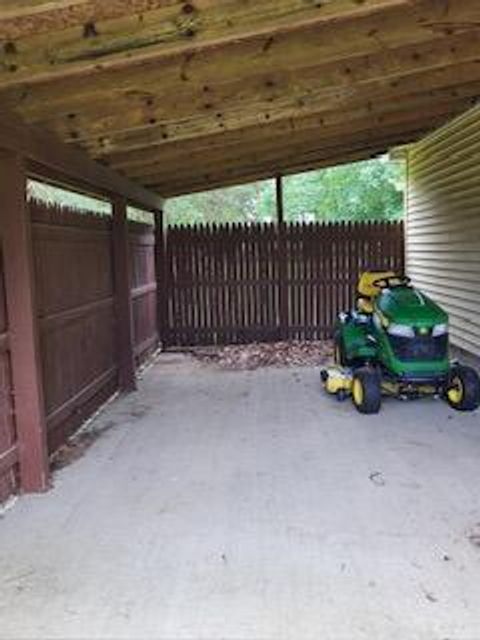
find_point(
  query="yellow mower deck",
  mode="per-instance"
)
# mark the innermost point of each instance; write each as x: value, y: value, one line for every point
x: 340, y: 380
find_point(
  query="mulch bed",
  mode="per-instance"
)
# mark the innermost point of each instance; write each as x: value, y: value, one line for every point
x: 277, y: 354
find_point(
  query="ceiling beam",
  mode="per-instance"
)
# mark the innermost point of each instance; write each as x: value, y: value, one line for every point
x: 296, y: 98
x: 256, y: 173
x: 52, y: 39
x: 413, y: 23
x: 183, y: 93
x: 331, y: 125
x: 310, y: 155
x: 47, y: 157
x: 378, y: 112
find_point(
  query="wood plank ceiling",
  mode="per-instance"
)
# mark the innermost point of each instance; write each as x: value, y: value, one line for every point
x: 193, y: 94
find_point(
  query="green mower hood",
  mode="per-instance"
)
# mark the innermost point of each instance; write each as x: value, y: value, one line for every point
x: 408, y: 306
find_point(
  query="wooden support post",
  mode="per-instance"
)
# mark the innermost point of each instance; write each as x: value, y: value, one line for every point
x: 279, y: 192
x: 29, y: 406
x: 123, y: 298
x: 160, y: 268
x: 283, y: 333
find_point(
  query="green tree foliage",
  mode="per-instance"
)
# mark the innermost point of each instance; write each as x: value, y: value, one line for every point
x: 371, y: 190
x: 247, y: 203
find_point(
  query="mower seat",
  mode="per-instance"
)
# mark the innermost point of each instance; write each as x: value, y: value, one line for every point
x: 367, y: 290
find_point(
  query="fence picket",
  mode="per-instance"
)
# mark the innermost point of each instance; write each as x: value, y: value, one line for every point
x: 237, y: 283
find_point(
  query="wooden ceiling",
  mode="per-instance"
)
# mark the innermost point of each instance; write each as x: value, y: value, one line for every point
x: 188, y: 95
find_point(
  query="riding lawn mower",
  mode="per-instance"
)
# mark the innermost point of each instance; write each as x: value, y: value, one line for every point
x: 396, y: 343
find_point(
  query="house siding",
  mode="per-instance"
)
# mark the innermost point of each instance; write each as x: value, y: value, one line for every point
x: 443, y: 224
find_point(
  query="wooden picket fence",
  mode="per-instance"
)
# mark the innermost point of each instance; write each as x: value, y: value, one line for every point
x: 231, y: 284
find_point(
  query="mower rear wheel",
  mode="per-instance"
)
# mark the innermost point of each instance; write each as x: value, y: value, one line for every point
x: 463, y: 393
x: 366, y: 391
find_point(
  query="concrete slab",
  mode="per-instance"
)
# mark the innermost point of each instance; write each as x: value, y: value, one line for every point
x: 248, y: 505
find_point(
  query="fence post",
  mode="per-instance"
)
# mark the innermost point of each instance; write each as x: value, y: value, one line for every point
x: 279, y: 199
x: 123, y: 298
x: 161, y: 273
x: 25, y: 356
x: 283, y: 294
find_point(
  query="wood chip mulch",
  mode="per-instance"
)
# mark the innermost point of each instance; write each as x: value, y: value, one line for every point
x: 277, y: 354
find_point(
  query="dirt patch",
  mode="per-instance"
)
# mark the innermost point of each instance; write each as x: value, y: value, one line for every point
x: 76, y: 447
x: 139, y: 412
x: 277, y: 354
x: 473, y: 535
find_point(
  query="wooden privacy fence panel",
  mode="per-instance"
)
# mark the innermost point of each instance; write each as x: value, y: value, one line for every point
x: 323, y: 265
x: 77, y: 314
x: 236, y: 283
x: 143, y: 288
x: 8, y: 439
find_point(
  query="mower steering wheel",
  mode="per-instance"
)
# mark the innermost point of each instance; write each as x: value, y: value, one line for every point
x: 392, y: 282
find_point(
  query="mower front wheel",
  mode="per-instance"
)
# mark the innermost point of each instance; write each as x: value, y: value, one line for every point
x: 366, y: 391
x: 463, y: 392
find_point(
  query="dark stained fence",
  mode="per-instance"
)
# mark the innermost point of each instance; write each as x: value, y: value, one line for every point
x: 75, y: 291
x: 233, y: 284
x: 76, y: 311
x: 144, y: 289
x: 8, y: 444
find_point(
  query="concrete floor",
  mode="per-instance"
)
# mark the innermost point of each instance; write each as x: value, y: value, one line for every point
x: 250, y: 506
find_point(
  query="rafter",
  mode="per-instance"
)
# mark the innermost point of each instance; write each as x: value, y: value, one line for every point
x: 199, y: 162
x: 314, y: 146
x: 417, y: 22
x: 49, y: 39
x: 296, y: 97
x: 364, y: 114
x: 287, y: 166
x: 184, y: 93
x: 262, y: 93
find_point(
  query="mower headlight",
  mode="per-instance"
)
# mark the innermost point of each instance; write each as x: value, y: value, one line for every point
x: 401, y: 331
x: 439, y: 330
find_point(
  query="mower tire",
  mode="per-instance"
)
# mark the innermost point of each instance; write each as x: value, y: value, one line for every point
x: 367, y: 391
x: 463, y: 392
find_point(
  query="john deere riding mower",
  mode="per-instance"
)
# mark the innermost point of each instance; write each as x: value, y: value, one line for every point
x: 396, y: 343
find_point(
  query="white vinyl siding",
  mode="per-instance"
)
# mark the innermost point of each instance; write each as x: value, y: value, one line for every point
x: 443, y: 224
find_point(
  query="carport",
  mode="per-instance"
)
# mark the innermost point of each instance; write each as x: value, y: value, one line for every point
x: 132, y: 102
x: 138, y: 101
